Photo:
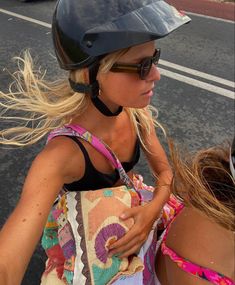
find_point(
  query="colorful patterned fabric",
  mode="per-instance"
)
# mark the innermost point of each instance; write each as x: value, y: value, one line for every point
x: 82, y: 224
x: 170, y: 211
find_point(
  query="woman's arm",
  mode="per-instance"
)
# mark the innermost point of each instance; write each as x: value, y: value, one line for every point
x: 161, y: 169
x: 144, y: 216
x: 20, y: 235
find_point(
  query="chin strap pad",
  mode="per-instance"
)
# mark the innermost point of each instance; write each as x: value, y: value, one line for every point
x: 93, y: 90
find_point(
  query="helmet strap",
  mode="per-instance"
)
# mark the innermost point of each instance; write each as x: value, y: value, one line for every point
x: 84, y: 88
x: 104, y: 109
x: 93, y: 90
x: 93, y: 70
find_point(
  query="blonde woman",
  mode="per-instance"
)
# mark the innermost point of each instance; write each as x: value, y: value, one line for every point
x: 108, y: 48
x: 198, y: 245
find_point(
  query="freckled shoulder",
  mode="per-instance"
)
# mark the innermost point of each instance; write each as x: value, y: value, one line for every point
x: 64, y: 153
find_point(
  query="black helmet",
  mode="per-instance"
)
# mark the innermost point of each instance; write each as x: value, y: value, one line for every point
x: 86, y: 30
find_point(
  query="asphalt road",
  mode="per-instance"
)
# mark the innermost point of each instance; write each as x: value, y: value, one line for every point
x: 196, y: 109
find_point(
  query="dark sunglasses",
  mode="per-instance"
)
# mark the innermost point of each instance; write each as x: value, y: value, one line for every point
x: 143, y: 68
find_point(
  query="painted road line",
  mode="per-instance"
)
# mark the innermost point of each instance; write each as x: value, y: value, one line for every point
x: 170, y: 74
x: 198, y: 73
x: 210, y: 17
x: 41, y: 23
x: 197, y: 83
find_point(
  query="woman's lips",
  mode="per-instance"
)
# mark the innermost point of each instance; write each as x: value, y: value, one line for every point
x: 149, y: 93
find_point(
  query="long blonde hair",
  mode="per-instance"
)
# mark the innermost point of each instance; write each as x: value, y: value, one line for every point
x: 44, y: 106
x: 204, y: 182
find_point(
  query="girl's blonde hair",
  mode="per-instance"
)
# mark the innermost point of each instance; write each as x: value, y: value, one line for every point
x: 204, y: 182
x: 42, y: 106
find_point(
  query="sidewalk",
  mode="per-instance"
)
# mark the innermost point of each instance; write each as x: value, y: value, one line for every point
x: 224, y: 10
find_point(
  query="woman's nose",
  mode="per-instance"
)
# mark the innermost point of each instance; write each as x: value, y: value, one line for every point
x: 154, y: 74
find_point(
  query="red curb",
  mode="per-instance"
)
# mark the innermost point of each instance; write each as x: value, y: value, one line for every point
x: 224, y: 10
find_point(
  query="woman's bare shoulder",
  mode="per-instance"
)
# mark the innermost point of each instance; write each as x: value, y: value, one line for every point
x: 198, y: 238
x: 64, y: 154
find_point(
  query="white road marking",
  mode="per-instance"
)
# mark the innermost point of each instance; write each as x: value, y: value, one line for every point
x: 198, y: 73
x: 210, y: 17
x: 164, y: 72
x: 41, y: 23
x: 198, y: 83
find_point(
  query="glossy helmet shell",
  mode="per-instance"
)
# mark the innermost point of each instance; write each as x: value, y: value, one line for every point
x: 86, y: 30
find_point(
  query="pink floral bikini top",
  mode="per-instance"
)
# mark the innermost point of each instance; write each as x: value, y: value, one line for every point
x: 186, y: 265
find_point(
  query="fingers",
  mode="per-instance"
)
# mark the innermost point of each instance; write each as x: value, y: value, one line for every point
x: 127, y: 245
x: 133, y: 250
x: 130, y: 213
x: 132, y: 241
x: 122, y: 247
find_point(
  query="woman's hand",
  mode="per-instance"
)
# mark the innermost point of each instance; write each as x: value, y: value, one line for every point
x: 131, y: 242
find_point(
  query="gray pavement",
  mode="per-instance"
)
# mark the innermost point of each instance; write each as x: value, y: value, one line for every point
x: 194, y: 117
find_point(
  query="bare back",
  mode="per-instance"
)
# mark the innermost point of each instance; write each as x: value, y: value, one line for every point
x: 198, y: 239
